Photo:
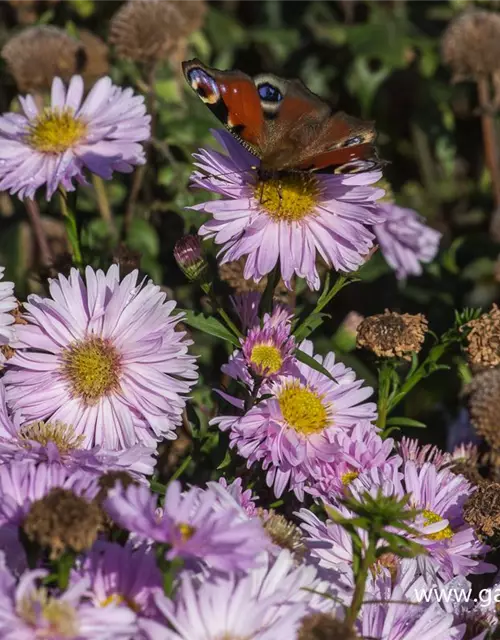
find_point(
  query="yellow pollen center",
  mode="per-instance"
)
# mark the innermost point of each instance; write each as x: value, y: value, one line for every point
x: 117, y: 598
x: 56, y: 130
x: 186, y: 531
x: 92, y: 368
x: 266, y: 358
x: 348, y: 477
x: 57, y: 432
x: 289, y: 198
x: 431, y: 518
x: 59, y: 618
x: 302, y: 409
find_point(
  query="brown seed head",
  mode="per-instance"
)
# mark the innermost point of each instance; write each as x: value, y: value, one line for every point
x: 482, y: 509
x: 484, y: 405
x: 322, y: 626
x: 483, y: 339
x: 62, y: 520
x: 471, y: 44
x: 152, y: 30
x: 38, y: 54
x: 232, y: 273
x: 283, y: 533
x: 93, y: 56
x: 392, y: 335
x: 108, y: 480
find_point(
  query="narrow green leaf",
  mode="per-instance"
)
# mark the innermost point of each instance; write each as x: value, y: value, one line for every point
x: 406, y: 422
x: 314, y: 364
x: 210, y: 325
x: 226, y: 462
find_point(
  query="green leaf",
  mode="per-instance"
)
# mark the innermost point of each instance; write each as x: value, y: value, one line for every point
x: 210, y: 325
x: 314, y: 364
x: 311, y: 323
x: 406, y: 422
x: 226, y: 462
x: 144, y: 238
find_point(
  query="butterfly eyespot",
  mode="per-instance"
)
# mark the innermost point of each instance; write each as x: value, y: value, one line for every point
x: 204, y: 85
x: 269, y: 92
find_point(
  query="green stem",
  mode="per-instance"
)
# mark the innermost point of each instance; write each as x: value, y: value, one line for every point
x: 266, y: 302
x: 64, y: 566
x: 103, y: 203
x: 303, y: 330
x: 71, y: 227
x: 384, y: 390
x: 178, y: 473
x: 208, y: 290
x: 360, y: 584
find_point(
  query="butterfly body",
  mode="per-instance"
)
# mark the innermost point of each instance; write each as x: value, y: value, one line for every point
x: 282, y: 123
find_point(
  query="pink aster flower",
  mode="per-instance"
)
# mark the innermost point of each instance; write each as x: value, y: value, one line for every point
x: 357, y: 451
x: 290, y: 220
x: 30, y: 611
x: 244, y: 498
x: 191, y: 524
x: 102, y: 356
x: 123, y: 576
x: 53, y: 146
x: 293, y: 430
x: 246, y: 306
x: 7, y: 304
x: 405, y: 240
x: 412, y: 450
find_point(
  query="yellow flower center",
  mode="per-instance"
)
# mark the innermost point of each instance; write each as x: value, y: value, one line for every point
x: 58, y: 615
x: 186, y: 531
x: 302, y: 409
x: 117, y: 598
x: 92, y: 367
x: 57, y: 432
x: 266, y: 358
x: 431, y: 518
x: 348, y: 477
x: 289, y: 198
x: 56, y: 130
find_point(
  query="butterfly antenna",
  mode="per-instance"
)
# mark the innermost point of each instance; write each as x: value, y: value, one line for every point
x: 229, y: 173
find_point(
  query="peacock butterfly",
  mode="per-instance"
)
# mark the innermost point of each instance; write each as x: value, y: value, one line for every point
x: 285, y: 125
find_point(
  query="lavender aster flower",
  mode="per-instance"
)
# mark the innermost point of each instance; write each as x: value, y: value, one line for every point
x: 31, y: 612
x: 7, y: 304
x: 290, y: 220
x: 192, y: 524
x: 405, y: 240
x: 53, y: 146
x: 293, y: 430
x: 102, y: 356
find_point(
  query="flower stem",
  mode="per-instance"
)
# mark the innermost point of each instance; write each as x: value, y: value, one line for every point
x: 266, y: 303
x: 103, y: 203
x: 71, y: 227
x: 208, y: 290
x: 38, y: 231
x: 384, y: 390
x: 367, y: 561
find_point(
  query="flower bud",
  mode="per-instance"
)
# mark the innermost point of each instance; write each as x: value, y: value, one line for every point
x: 189, y: 256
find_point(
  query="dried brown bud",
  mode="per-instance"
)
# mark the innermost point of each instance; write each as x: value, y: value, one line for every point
x: 62, y: 520
x: 127, y: 259
x: 38, y: 54
x: 93, y: 56
x: 108, y: 480
x: 483, y: 339
x: 232, y: 273
x: 471, y: 44
x: 152, y: 30
x: 465, y: 462
x: 392, y: 335
x: 482, y: 509
x: 484, y: 405
x: 283, y: 533
x: 323, y: 626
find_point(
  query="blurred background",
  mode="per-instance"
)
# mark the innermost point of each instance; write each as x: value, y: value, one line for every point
x: 427, y: 73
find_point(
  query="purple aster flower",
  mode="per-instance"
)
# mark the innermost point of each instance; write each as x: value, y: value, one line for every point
x: 266, y: 604
x: 102, y: 356
x: 53, y: 146
x: 244, y: 498
x: 412, y: 450
x: 29, y: 611
x: 357, y: 451
x: 292, y: 219
x: 192, y: 524
x: 7, y: 304
x: 246, y: 305
x: 122, y: 576
x: 266, y: 351
x: 452, y: 546
x: 405, y: 240
x: 293, y: 430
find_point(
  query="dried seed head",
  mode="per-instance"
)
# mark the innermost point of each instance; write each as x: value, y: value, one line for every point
x: 484, y: 405
x: 483, y: 339
x: 392, y: 335
x: 92, y: 57
x: 127, y: 259
x: 108, y: 480
x: 151, y: 30
x: 62, y: 520
x: 465, y: 462
x: 232, y: 273
x: 38, y: 54
x: 482, y: 509
x: 471, y: 44
x: 283, y: 533
x: 322, y: 626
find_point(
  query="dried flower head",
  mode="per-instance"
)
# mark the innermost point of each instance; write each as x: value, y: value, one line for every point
x: 127, y: 259
x: 484, y: 405
x: 152, y: 30
x: 111, y: 479
x: 283, y: 533
x: 62, y: 520
x: 392, y: 335
x: 232, y: 273
x: 465, y: 462
x: 323, y: 626
x: 92, y: 57
x: 483, y: 339
x: 471, y: 44
x: 482, y: 509
x: 38, y: 54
